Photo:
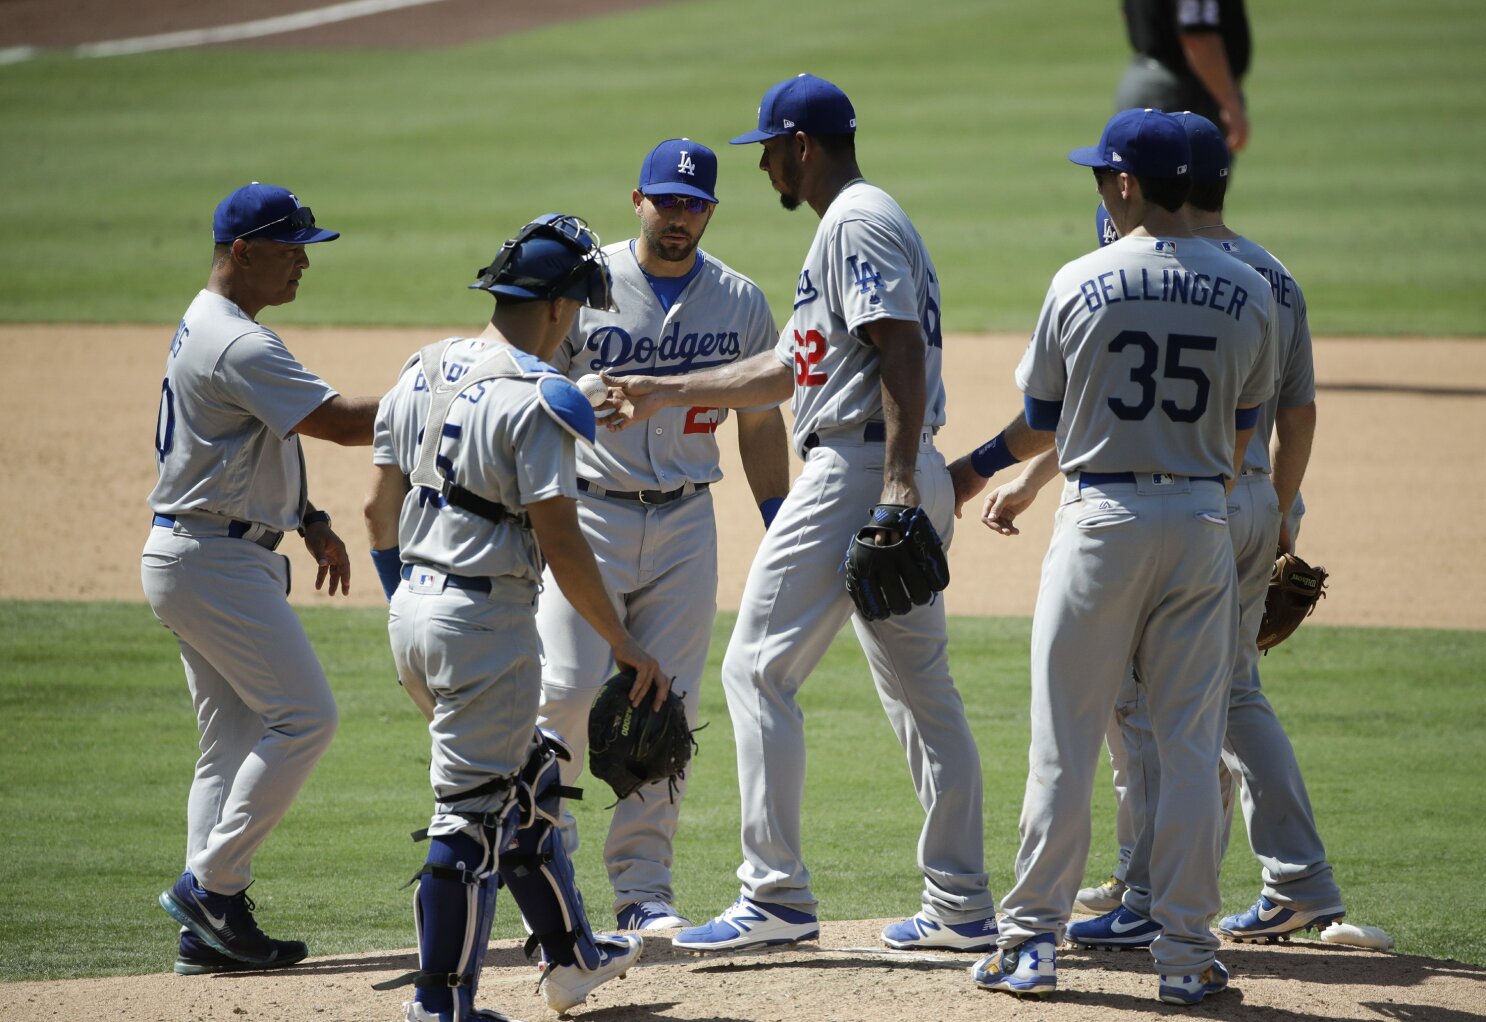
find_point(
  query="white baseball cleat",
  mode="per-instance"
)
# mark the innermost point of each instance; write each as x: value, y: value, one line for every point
x: 1028, y: 970
x: 566, y: 986
x: 1103, y: 897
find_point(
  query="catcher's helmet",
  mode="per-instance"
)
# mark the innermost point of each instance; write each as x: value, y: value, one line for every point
x: 554, y: 256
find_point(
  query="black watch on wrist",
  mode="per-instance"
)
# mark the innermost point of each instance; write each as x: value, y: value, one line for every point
x: 313, y: 518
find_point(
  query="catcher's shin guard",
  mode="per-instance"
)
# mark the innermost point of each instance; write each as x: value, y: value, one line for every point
x: 453, y: 910
x: 535, y: 865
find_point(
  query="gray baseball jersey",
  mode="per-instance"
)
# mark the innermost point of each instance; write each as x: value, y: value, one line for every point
x: 501, y: 442
x: 506, y: 448
x: 658, y: 562
x: 231, y: 398
x: 867, y: 262
x: 1151, y: 344
x: 1276, y: 806
x: 720, y: 318
x: 1096, y: 328
x: 1294, y: 357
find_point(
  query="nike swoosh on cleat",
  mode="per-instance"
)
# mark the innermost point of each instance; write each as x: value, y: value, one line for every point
x: 217, y: 921
x: 1270, y: 916
x: 1118, y: 927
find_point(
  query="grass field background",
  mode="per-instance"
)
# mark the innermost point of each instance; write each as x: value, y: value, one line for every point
x: 100, y: 744
x: 1363, y: 172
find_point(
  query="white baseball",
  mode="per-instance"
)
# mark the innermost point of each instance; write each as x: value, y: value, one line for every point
x: 597, y: 391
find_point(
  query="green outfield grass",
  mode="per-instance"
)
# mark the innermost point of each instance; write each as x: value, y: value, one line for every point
x: 100, y: 742
x: 1363, y: 173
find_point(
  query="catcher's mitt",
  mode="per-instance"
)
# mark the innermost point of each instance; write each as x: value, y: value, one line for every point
x: 895, y: 577
x: 630, y: 746
x: 1294, y: 590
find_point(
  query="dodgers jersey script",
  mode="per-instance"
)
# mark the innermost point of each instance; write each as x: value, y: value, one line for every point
x: 1296, y: 364
x: 231, y: 398
x: 488, y: 424
x: 855, y: 273
x: 721, y: 317
x: 1091, y: 349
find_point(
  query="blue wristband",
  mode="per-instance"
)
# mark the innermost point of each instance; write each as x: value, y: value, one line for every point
x: 992, y: 456
x: 769, y: 508
x: 389, y: 569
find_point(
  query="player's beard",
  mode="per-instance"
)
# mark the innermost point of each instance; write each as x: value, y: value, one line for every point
x: 671, y: 249
x: 788, y: 185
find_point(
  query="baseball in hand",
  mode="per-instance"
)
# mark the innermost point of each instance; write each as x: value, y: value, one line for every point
x: 597, y: 392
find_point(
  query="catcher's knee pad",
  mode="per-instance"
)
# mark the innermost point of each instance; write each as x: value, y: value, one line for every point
x: 453, y: 910
x: 535, y: 866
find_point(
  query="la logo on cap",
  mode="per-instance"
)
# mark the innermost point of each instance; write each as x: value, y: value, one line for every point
x: 686, y: 165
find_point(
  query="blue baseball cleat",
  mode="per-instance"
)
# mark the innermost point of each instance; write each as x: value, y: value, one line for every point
x: 921, y: 932
x: 749, y: 924
x: 1266, y: 922
x: 1191, y: 989
x: 1115, y: 931
x: 1028, y: 970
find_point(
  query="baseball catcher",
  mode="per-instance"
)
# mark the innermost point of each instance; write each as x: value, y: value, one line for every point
x: 1294, y: 590
x: 631, y: 746
x: 892, y: 578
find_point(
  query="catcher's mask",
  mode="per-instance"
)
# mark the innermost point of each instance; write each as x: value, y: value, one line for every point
x: 554, y: 256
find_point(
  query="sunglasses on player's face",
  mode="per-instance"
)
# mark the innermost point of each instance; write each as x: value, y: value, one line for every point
x: 692, y: 204
x: 298, y: 220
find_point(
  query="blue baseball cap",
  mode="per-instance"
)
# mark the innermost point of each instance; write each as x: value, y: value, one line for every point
x: 1146, y: 143
x: 1210, y: 158
x: 803, y: 103
x: 679, y: 166
x: 266, y: 211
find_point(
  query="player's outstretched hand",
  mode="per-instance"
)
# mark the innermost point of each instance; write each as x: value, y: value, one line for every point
x: 633, y: 398
x: 649, y: 678
x: 1005, y: 503
x: 330, y: 554
x: 968, y: 482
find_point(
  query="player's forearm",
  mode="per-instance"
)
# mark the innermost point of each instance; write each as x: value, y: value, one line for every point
x: 1040, y: 470
x: 347, y: 421
x: 760, y: 380
x: 384, y: 506
x: 764, y: 450
x: 1240, y: 447
x: 1209, y: 63
x: 900, y: 349
x: 1290, y: 451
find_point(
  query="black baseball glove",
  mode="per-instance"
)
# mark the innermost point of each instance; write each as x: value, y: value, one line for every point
x: 630, y: 746
x: 895, y: 577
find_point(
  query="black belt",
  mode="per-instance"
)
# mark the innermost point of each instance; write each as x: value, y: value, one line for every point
x: 872, y: 433
x: 268, y: 538
x: 647, y: 497
x: 474, y: 583
x: 1111, y: 478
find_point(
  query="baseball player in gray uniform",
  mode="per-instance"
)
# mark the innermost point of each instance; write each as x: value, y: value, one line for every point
x: 1146, y: 367
x: 1299, y: 890
x: 231, y: 483
x: 644, y: 502
x: 862, y: 356
x: 475, y: 485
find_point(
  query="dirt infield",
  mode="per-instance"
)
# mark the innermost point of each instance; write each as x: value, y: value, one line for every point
x: 1391, y: 493
x: 846, y: 977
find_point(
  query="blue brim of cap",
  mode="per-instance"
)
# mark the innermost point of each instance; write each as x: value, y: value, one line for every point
x: 676, y: 188
x: 308, y: 236
x: 756, y: 135
x: 1088, y: 156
